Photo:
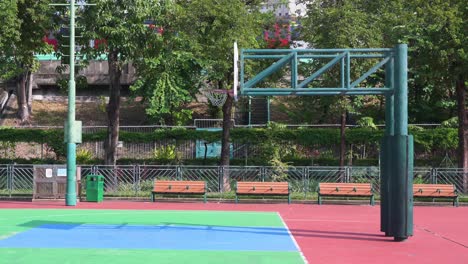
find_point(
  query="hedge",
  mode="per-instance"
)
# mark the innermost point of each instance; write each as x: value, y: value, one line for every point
x: 426, y: 139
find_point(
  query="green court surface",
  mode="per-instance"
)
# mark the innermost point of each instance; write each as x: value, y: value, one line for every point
x: 143, y: 236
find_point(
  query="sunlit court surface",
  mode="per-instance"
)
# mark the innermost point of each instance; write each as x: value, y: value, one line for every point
x: 141, y: 232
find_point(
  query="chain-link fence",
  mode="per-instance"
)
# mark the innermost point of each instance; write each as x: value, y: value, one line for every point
x: 138, y: 180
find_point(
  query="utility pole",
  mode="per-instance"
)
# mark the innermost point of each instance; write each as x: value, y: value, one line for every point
x: 72, y: 126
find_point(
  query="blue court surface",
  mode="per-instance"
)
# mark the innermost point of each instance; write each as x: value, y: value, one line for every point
x: 153, y: 237
x: 140, y: 236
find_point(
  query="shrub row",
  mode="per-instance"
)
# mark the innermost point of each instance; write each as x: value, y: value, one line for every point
x: 426, y: 139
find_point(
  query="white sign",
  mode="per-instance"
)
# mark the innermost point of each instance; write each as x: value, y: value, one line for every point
x: 48, y: 173
x: 61, y: 172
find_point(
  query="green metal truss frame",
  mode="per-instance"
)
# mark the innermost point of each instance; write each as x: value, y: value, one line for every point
x: 397, y: 146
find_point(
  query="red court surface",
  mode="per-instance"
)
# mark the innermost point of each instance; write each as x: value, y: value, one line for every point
x: 336, y: 233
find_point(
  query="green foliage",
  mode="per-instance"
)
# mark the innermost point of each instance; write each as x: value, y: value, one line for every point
x: 166, y: 98
x: 102, y: 104
x: 9, y: 33
x: 212, y: 26
x: 167, y: 70
x: 435, y: 32
x: 367, y: 122
x: 450, y: 123
x: 53, y: 138
x: 414, y: 128
x: 274, y: 150
x: 278, y: 144
x: 84, y: 156
x: 120, y: 23
x: 7, y: 149
x: 24, y: 23
x: 166, y: 152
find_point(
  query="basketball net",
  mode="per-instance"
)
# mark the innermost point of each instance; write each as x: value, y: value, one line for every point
x: 217, y: 97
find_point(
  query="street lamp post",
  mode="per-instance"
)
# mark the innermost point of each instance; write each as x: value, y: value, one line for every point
x: 72, y: 126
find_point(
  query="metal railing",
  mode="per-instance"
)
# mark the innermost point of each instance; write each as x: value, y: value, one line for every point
x: 137, y: 180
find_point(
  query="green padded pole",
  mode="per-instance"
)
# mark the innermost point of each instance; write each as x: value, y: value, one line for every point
x: 70, y: 197
x: 400, y: 196
x: 385, y: 146
x: 400, y: 224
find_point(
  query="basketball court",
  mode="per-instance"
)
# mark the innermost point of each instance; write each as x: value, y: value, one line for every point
x: 138, y: 232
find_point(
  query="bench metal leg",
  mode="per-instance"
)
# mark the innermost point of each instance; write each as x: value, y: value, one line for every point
x: 152, y: 197
x: 289, y: 198
x: 455, y: 202
x: 237, y: 199
x: 319, y: 199
x: 204, y: 198
x: 372, y: 202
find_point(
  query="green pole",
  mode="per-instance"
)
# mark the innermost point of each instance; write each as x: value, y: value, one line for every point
x: 70, y: 197
x: 401, y: 91
x: 400, y: 200
x: 268, y: 109
x: 385, y: 149
x: 389, y: 98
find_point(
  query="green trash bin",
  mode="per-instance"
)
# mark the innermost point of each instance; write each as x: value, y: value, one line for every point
x: 94, y: 188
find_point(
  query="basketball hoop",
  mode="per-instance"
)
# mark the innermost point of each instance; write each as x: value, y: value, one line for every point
x: 217, y: 96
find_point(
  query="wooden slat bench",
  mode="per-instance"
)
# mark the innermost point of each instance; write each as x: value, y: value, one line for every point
x: 345, y: 189
x: 436, y: 191
x: 263, y: 188
x: 179, y: 187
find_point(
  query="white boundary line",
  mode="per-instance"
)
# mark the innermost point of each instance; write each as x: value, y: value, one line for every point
x: 293, y: 239
x: 98, y: 212
x: 326, y: 220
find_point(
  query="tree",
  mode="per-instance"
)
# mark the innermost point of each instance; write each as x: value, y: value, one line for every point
x: 119, y: 26
x: 9, y: 33
x: 168, y: 73
x: 339, y: 24
x: 24, y: 23
x: 439, y: 35
x: 213, y: 26
x: 436, y: 34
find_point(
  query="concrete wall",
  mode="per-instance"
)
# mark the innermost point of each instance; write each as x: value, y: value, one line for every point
x: 96, y: 73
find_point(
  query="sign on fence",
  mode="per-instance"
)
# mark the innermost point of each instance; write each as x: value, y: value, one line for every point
x: 50, y: 181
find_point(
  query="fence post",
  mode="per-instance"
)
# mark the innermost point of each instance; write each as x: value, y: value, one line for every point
x: 136, y: 178
x: 434, y: 173
x: 347, y: 170
x: 10, y: 178
x: 117, y: 175
x: 464, y: 172
x: 178, y: 173
x: 305, y: 181
x: 220, y: 178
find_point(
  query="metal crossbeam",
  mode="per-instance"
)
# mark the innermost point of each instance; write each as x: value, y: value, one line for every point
x: 341, y: 57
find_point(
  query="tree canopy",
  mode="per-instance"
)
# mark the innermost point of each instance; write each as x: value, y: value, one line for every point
x: 24, y: 24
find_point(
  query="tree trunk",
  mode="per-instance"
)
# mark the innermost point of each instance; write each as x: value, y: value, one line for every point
x: 23, y: 111
x: 343, y: 143
x: 29, y: 95
x: 462, y: 129
x: 113, y: 108
x: 225, y: 144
